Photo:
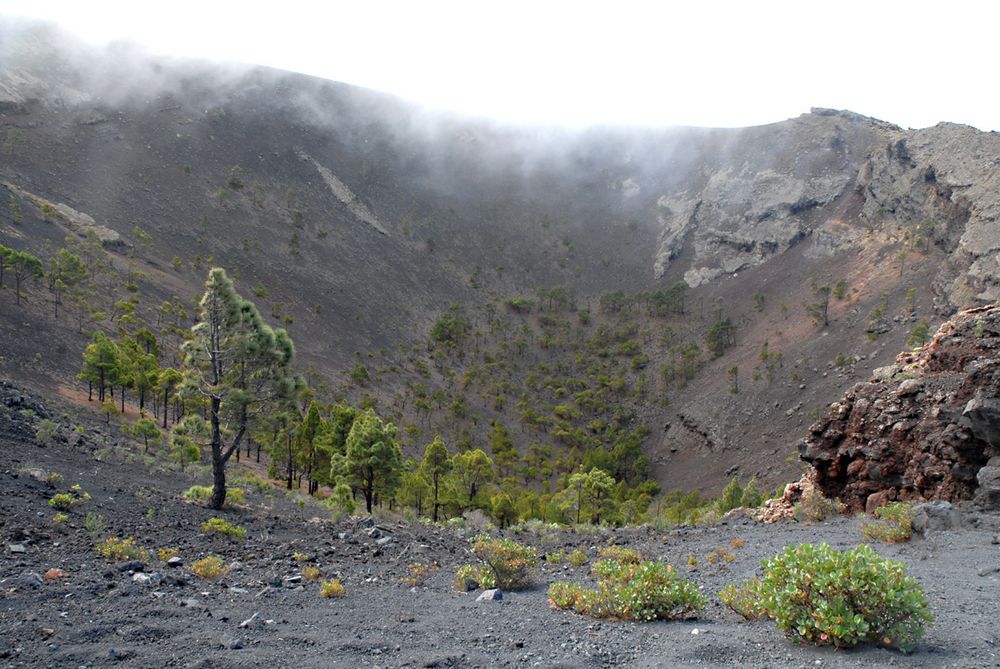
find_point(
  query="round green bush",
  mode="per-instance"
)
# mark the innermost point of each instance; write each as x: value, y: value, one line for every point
x: 843, y: 598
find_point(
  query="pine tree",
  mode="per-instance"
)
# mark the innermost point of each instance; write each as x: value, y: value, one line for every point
x: 307, y: 446
x: 100, y: 365
x: 435, y: 465
x: 24, y: 265
x: 470, y: 471
x: 373, y: 460
x: 239, y: 365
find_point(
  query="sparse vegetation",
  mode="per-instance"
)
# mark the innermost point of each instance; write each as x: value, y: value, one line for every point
x: 504, y: 563
x: 631, y: 591
x: 223, y: 527
x: 333, y: 588
x: 210, y: 566
x: 119, y: 550
x: 64, y: 501
x: 894, y: 525
x: 577, y: 557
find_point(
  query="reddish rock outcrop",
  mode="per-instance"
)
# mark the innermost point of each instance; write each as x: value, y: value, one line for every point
x: 925, y: 428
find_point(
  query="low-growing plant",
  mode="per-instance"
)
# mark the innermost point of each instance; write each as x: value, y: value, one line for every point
x: 744, y: 599
x: 223, y: 527
x: 649, y: 590
x: 511, y: 563
x: 94, y: 523
x: 737, y: 543
x: 692, y: 560
x: 64, y: 501
x: 311, y: 572
x: 332, y: 588
x: 54, y: 480
x: 165, y: 554
x: 620, y: 554
x: 722, y: 554
x: 472, y: 576
x: 211, y: 566
x: 577, y: 557
x: 202, y: 493
x: 46, y: 433
x: 841, y: 598
x: 417, y: 573
x: 814, y: 507
x: 300, y: 557
x: 60, y: 517
x: 198, y: 493
x: 118, y: 549
x: 555, y: 557
x: 895, y: 524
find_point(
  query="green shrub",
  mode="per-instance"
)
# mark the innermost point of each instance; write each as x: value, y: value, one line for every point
x: 649, y: 590
x: 577, y: 558
x: 744, y: 599
x: 472, y: 576
x: 198, y: 492
x: 509, y: 562
x: 211, y: 566
x: 841, y: 598
x: 115, y: 548
x: 620, y: 554
x: 332, y: 588
x: 202, y: 493
x: 64, y: 501
x: 47, y: 432
x: 223, y: 527
x: 165, y: 554
x: 94, y: 523
x: 895, y: 526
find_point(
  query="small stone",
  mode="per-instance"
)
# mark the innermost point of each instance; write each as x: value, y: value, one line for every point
x: 141, y: 578
x: 132, y: 565
x: 16, y: 548
x: 989, y: 571
x: 29, y: 580
x: 117, y: 655
x: 175, y: 562
x: 249, y: 621
x: 492, y: 595
x: 55, y: 574
x: 232, y: 643
x: 383, y: 541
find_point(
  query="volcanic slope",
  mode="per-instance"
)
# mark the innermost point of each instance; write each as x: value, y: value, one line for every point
x: 357, y: 220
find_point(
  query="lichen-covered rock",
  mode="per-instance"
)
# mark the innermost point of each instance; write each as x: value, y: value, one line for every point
x: 923, y: 429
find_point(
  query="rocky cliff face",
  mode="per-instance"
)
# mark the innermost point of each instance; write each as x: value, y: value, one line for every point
x: 762, y: 190
x: 927, y: 427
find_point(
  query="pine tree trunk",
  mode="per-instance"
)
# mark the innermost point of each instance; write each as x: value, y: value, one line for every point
x: 218, y: 462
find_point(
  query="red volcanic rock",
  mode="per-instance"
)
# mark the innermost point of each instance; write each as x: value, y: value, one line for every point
x: 922, y: 429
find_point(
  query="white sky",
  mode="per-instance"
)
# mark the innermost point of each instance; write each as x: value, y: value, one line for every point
x: 706, y: 62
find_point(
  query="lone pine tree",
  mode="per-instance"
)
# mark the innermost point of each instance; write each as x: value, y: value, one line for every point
x: 238, y: 365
